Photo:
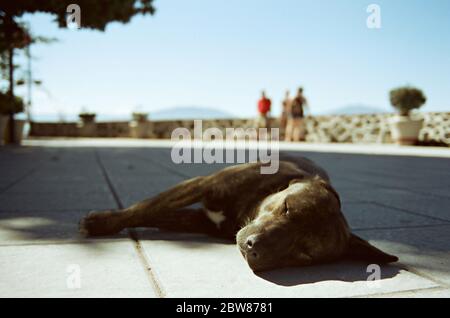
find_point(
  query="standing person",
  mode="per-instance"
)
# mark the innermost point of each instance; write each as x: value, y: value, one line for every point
x: 264, y: 105
x: 284, y: 111
x: 295, y: 129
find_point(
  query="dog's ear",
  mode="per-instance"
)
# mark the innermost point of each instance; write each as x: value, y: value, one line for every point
x: 360, y: 249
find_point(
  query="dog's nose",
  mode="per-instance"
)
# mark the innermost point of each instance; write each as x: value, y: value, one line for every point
x: 252, y: 242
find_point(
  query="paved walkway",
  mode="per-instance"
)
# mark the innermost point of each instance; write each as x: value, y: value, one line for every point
x: 400, y: 203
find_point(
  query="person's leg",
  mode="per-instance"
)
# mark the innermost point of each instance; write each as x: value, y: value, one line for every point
x: 268, y: 123
x: 262, y: 124
x: 296, y: 129
x: 289, y: 127
x: 302, y: 129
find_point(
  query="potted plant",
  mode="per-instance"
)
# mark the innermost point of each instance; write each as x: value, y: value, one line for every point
x: 87, y: 126
x: 87, y: 117
x: 404, y: 127
x: 10, y: 106
x: 140, y: 127
x: 139, y: 117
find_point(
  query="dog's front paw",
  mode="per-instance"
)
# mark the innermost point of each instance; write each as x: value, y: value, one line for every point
x: 100, y: 223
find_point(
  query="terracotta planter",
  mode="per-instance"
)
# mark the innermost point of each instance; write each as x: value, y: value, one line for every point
x: 141, y: 129
x: 18, y: 131
x: 3, y: 124
x: 405, y: 130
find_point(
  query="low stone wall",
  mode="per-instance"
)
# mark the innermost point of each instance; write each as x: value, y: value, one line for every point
x: 371, y: 128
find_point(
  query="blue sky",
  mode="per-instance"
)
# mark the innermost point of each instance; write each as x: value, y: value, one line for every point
x: 222, y: 53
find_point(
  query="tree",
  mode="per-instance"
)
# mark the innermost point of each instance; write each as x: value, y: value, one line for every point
x: 94, y: 15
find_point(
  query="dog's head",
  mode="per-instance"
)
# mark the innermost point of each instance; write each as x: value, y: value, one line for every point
x: 302, y: 225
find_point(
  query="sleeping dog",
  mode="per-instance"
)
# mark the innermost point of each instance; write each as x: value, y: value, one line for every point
x: 291, y: 218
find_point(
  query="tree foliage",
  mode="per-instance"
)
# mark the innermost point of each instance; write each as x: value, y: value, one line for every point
x: 10, y: 104
x: 95, y: 14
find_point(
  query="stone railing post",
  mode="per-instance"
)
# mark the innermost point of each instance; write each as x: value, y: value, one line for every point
x: 140, y: 126
x: 87, y: 126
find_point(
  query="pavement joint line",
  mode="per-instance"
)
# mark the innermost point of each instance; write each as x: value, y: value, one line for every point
x: 55, y: 211
x: 154, y: 282
x: 400, y: 227
x: 444, y: 221
x: 418, y: 272
x: 377, y: 171
x: 381, y: 186
x: 21, y: 178
x: 157, y: 286
x: 355, y: 201
x: 411, y: 212
x: 180, y: 174
x: 429, y: 192
x: 398, y: 293
x: 67, y: 242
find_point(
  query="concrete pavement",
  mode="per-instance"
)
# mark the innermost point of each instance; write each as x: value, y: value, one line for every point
x: 399, y: 202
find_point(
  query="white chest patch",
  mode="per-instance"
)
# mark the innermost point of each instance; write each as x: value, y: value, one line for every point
x: 216, y: 217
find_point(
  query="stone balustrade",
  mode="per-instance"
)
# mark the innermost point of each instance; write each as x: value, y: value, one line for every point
x: 370, y: 128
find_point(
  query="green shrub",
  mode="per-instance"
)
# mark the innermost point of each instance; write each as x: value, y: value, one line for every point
x: 139, y: 117
x: 405, y: 99
x: 8, y: 105
x: 87, y: 117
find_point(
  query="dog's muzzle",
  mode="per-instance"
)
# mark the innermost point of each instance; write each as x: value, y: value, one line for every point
x: 251, y: 250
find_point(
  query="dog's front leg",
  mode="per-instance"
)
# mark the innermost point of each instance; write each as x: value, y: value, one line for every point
x: 153, y: 212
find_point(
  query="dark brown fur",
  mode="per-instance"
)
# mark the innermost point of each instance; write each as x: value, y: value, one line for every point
x: 291, y: 218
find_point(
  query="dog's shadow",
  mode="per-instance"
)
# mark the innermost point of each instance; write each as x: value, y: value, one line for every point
x: 345, y: 271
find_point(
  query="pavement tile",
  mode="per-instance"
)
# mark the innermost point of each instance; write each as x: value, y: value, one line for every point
x: 425, y: 250
x: 43, y: 227
x: 23, y: 202
x: 433, y: 207
x: 370, y: 215
x: 58, y: 188
x: 196, y: 267
x: 438, y: 292
x: 107, y: 269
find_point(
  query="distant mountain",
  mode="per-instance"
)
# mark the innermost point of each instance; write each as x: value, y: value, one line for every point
x: 163, y: 114
x: 357, y: 109
x: 189, y: 113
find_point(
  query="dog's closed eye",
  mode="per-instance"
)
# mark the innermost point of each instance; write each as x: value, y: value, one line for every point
x: 286, y: 208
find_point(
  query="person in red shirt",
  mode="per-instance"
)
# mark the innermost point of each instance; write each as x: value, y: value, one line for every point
x: 264, y: 105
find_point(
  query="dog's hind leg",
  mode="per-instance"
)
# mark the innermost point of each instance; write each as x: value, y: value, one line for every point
x: 159, y: 211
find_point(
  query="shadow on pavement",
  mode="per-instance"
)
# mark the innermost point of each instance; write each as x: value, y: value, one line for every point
x: 340, y: 271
